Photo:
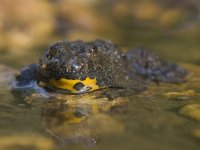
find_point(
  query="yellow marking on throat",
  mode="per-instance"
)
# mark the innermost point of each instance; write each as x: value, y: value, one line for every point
x: 68, y: 84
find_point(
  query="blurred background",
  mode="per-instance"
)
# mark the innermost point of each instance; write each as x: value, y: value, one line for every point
x: 168, y: 27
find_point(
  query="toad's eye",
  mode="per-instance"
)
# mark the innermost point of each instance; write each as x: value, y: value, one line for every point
x: 48, y: 56
x: 75, y: 86
x: 76, y: 67
x: 53, y: 51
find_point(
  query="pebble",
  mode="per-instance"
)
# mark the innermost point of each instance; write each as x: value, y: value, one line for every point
x: 192, y: 111
x: 26, y: 141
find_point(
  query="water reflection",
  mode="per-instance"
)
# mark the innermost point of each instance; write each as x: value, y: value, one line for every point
x: 82, y: 119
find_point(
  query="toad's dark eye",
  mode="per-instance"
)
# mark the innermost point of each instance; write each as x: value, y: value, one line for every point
x: 47, y: 56
x: 53, y: 51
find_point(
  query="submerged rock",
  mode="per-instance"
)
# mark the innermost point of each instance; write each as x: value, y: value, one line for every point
x: 26, y: 141
x: 191, y: 110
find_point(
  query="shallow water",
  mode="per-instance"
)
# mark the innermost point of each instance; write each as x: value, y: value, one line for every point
x: 151, y: 120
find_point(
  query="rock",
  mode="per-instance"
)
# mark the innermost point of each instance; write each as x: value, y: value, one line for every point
x: 192, y: 111
x: 26, y: 141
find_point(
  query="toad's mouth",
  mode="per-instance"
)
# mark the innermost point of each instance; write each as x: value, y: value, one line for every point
x: 75, y: 86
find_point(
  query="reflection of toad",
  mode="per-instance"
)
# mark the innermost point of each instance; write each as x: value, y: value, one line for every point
x: 82, y: 119
x: 79, y: 67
